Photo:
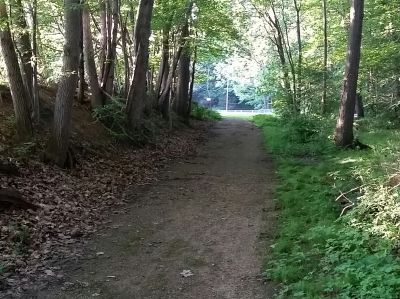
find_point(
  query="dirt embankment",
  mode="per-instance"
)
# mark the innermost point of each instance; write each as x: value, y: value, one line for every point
x: 73, y: 204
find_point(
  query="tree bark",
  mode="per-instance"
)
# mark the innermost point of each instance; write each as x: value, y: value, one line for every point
x: 59, y: 145
x: 344, y: 127
x: 164, y: 65
x: 107, y: 83
x: 137, y: 91
x: 359, y: 106
x: 281, y: 47
x: 104, y: 7
x: 163, y: 101
x: 91, y: 71
x: 81, y: 71
x: 127, y: 69
x: 191, y: 87
x: 35, y: 83
x: 182, y: 98
x: 20, y: 96
x: 162, y: 80
x: 23, y: 43
x: 297, y: 6
x: 325, y: 77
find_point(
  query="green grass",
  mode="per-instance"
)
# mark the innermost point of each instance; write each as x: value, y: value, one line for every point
x: 318, y: 253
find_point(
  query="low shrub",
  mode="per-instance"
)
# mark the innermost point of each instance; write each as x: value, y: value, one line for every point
x: 202, y: 113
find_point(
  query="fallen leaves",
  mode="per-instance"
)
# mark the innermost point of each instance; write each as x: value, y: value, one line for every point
x: 73, y: 204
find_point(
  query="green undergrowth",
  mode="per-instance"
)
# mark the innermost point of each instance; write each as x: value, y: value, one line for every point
x: 202, y: 113
x: 113, y: 116
x: 328, y: 245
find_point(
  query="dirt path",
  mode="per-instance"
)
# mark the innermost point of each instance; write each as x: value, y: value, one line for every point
x: 212, y: 215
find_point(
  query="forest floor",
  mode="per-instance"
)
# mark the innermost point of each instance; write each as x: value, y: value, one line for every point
x: 199, y: 232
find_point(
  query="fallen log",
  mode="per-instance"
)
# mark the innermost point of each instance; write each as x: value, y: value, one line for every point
x: 12, y: 197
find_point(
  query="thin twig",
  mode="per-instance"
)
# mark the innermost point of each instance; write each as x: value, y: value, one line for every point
x: 344, y: 194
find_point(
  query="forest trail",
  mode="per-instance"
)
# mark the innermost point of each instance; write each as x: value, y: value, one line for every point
x: 211, y: 215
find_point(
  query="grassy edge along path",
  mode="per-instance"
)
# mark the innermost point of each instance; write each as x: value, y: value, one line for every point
x: 338, y: 234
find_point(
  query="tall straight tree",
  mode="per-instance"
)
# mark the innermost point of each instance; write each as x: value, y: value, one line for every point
x: 107, y: 83
x: 35, y: 84
x: 90, y: 64
x: 59, y: 144
x: 297, y: 6
x: 344, y: 127
x: 325, y: 78
x: 184, y: 73
x: 137, y: 91
x: 20, y: 95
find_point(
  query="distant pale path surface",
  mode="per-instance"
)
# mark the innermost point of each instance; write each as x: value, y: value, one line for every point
x: 211, y: 215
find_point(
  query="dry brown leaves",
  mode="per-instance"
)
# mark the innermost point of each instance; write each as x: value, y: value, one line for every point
x: 73, y: 205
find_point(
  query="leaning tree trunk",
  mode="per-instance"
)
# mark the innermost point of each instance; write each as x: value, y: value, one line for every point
x: 23, y: 42
x: 90, y: 64
x: 59, y: 145
x: 20, y: 96
x: 164, y: 99
x: 344, y: 127
x: 137, y: 91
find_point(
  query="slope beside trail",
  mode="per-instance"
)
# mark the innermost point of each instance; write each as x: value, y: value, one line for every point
x: 200, y: 232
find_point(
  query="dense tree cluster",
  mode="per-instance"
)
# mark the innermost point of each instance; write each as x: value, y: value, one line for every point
x: 141, y: 54
x: 145, y: 54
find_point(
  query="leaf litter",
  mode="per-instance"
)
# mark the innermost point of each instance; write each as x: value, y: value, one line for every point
x: 74, y: 203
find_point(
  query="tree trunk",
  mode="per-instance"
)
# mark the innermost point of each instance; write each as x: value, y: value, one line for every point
x: 297, y: 6
x: 344, y: 127
x: 280, y: 43
x: 35, y: 83
x: 81, y: 71
x: 161, y: 84
x: 359, y: 106
x: 91, y: 71
x: 23, y: 43
x: 107, y: 83
x: 104, y: 7
x: 20, y: 96
x: 137, y: 91
x: 59, y: 145
x: 127, y: 69
x: 163, y: 101
x: 191, y: 87
x: 325, y: 77
x: 182, y: 102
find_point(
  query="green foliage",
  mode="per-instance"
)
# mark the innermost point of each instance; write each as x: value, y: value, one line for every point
x: 113, y: 116
x: 318, y: 253
x: 202, y: 113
